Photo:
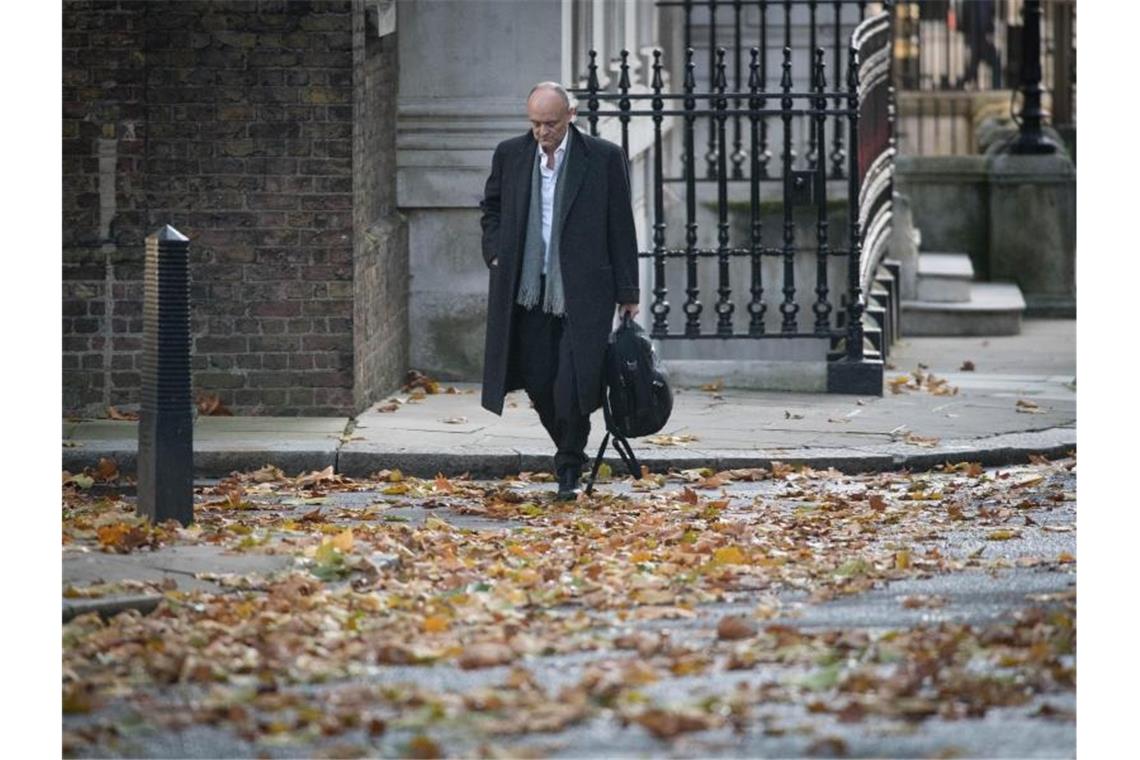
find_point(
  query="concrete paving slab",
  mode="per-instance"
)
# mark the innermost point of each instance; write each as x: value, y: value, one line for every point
x: 362, y: 458
x: 731, y: 425
x: 294, y: 426
x: 171, y: 563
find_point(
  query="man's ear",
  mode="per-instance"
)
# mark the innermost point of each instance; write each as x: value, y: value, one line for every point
x: 573, y: 113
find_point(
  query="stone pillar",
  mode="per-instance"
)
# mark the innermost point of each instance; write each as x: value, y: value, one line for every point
x: 903, y: 246
x: 464, y: 76
x: 1033, y: 229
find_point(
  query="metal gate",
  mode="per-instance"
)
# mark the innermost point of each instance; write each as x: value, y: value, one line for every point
x: 851, y: 109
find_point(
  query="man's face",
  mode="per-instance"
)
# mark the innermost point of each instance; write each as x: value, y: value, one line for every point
x: 549, y: 118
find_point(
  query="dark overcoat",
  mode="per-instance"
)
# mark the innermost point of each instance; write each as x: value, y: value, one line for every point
x: 598, y: 254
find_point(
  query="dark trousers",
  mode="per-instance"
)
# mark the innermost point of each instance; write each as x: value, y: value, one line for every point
x: 541, y: 350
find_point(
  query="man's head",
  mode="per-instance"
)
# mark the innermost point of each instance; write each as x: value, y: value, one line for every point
x: 550, y: 109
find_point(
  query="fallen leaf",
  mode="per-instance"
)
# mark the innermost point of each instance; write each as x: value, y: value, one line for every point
x: 387, y: 408
x: 919, y: 601
x: 107, y: 469
x: 790, y: 416
x: 485, y: 654
x: 967, y: 366
x: 115, y: 414
x: 728, y: 555
x: 666, y: 724
x: 734, y: 627
x: 713, y: 387
x: 79, y: 481
x: 436, y: 624
x: 919, y: 440
x: 417, y: 380
x: 422, y: 748
x: 210, y: 405
x: 671, y: 440
x: 1028, y: 407
x: 1002, y: 534
x: 456, y: 420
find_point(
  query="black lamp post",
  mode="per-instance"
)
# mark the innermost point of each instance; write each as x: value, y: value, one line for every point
x: 1031, y: 139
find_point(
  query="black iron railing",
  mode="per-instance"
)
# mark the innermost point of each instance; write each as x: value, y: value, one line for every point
x: 854, y: 107
x: 750, y: 23
x: 949, y: 51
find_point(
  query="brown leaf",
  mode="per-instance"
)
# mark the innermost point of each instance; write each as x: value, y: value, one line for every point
x: 115, y: 414
x: 967, y: 366
x: 313, y: 517
x: 107, y: 469
x: 920, y: 440
x: 316, y: 476
x: 666, y: 724
x: 394, y: 654
x: 389, y: 407
x: 828, y: 746
x: 734, y: 627
x: 417, y: 380
x: 423, y: 748
x: 210, y: 405
x: 485, y: 654
x: 917, y: 601
x: 688, y: 495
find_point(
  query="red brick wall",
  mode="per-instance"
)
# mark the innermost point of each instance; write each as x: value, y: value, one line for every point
x: 233, y: 122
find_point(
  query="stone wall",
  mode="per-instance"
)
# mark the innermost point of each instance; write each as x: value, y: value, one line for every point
x: 380, y: 244
x: 234, y: 122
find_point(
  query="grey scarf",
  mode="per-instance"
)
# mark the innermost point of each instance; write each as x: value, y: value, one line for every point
x: 530, y: 282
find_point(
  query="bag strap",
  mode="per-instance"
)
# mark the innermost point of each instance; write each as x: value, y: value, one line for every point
x: 621, y: 446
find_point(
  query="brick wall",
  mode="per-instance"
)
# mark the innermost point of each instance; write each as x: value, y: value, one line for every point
x: 234, y: 122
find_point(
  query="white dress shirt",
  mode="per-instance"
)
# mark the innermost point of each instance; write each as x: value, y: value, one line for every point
x: 549, y: 182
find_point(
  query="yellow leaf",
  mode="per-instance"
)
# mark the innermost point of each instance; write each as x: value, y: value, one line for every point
x: 342, y: 541
x: 436, y: 624
x: 640, y: 556
x: 1002, y: 535
x: 728, y: 555
x: 902, y: 559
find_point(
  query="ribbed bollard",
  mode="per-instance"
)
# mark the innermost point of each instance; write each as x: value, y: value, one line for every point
x: 166, y: 422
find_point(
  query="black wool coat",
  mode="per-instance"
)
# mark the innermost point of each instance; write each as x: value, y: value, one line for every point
x: 598, y: 254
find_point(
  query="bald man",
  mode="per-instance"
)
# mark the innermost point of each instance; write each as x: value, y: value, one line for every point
x: 561, y: 247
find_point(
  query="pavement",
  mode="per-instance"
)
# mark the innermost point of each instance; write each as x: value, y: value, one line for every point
x: 1019, y: 399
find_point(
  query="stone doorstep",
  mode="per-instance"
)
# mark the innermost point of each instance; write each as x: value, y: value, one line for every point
x: 994, y: 308
x: 955, y: 265
x: 944, y: 277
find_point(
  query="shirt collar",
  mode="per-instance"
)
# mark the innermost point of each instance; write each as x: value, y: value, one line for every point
x: 561, y: 146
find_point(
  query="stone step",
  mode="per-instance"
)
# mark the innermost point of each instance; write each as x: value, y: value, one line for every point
x: 944, y: 277
x: 994, y: 308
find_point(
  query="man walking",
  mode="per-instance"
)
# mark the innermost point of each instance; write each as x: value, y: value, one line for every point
x: 559, y: 240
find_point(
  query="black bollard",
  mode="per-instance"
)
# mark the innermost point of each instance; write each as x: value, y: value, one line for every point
x: 1031, y: 139
x: 166, y: 421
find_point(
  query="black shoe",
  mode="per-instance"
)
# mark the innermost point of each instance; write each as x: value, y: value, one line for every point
x: 568, y: 484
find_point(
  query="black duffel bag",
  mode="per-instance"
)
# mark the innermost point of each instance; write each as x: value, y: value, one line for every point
x: 637, y: 399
